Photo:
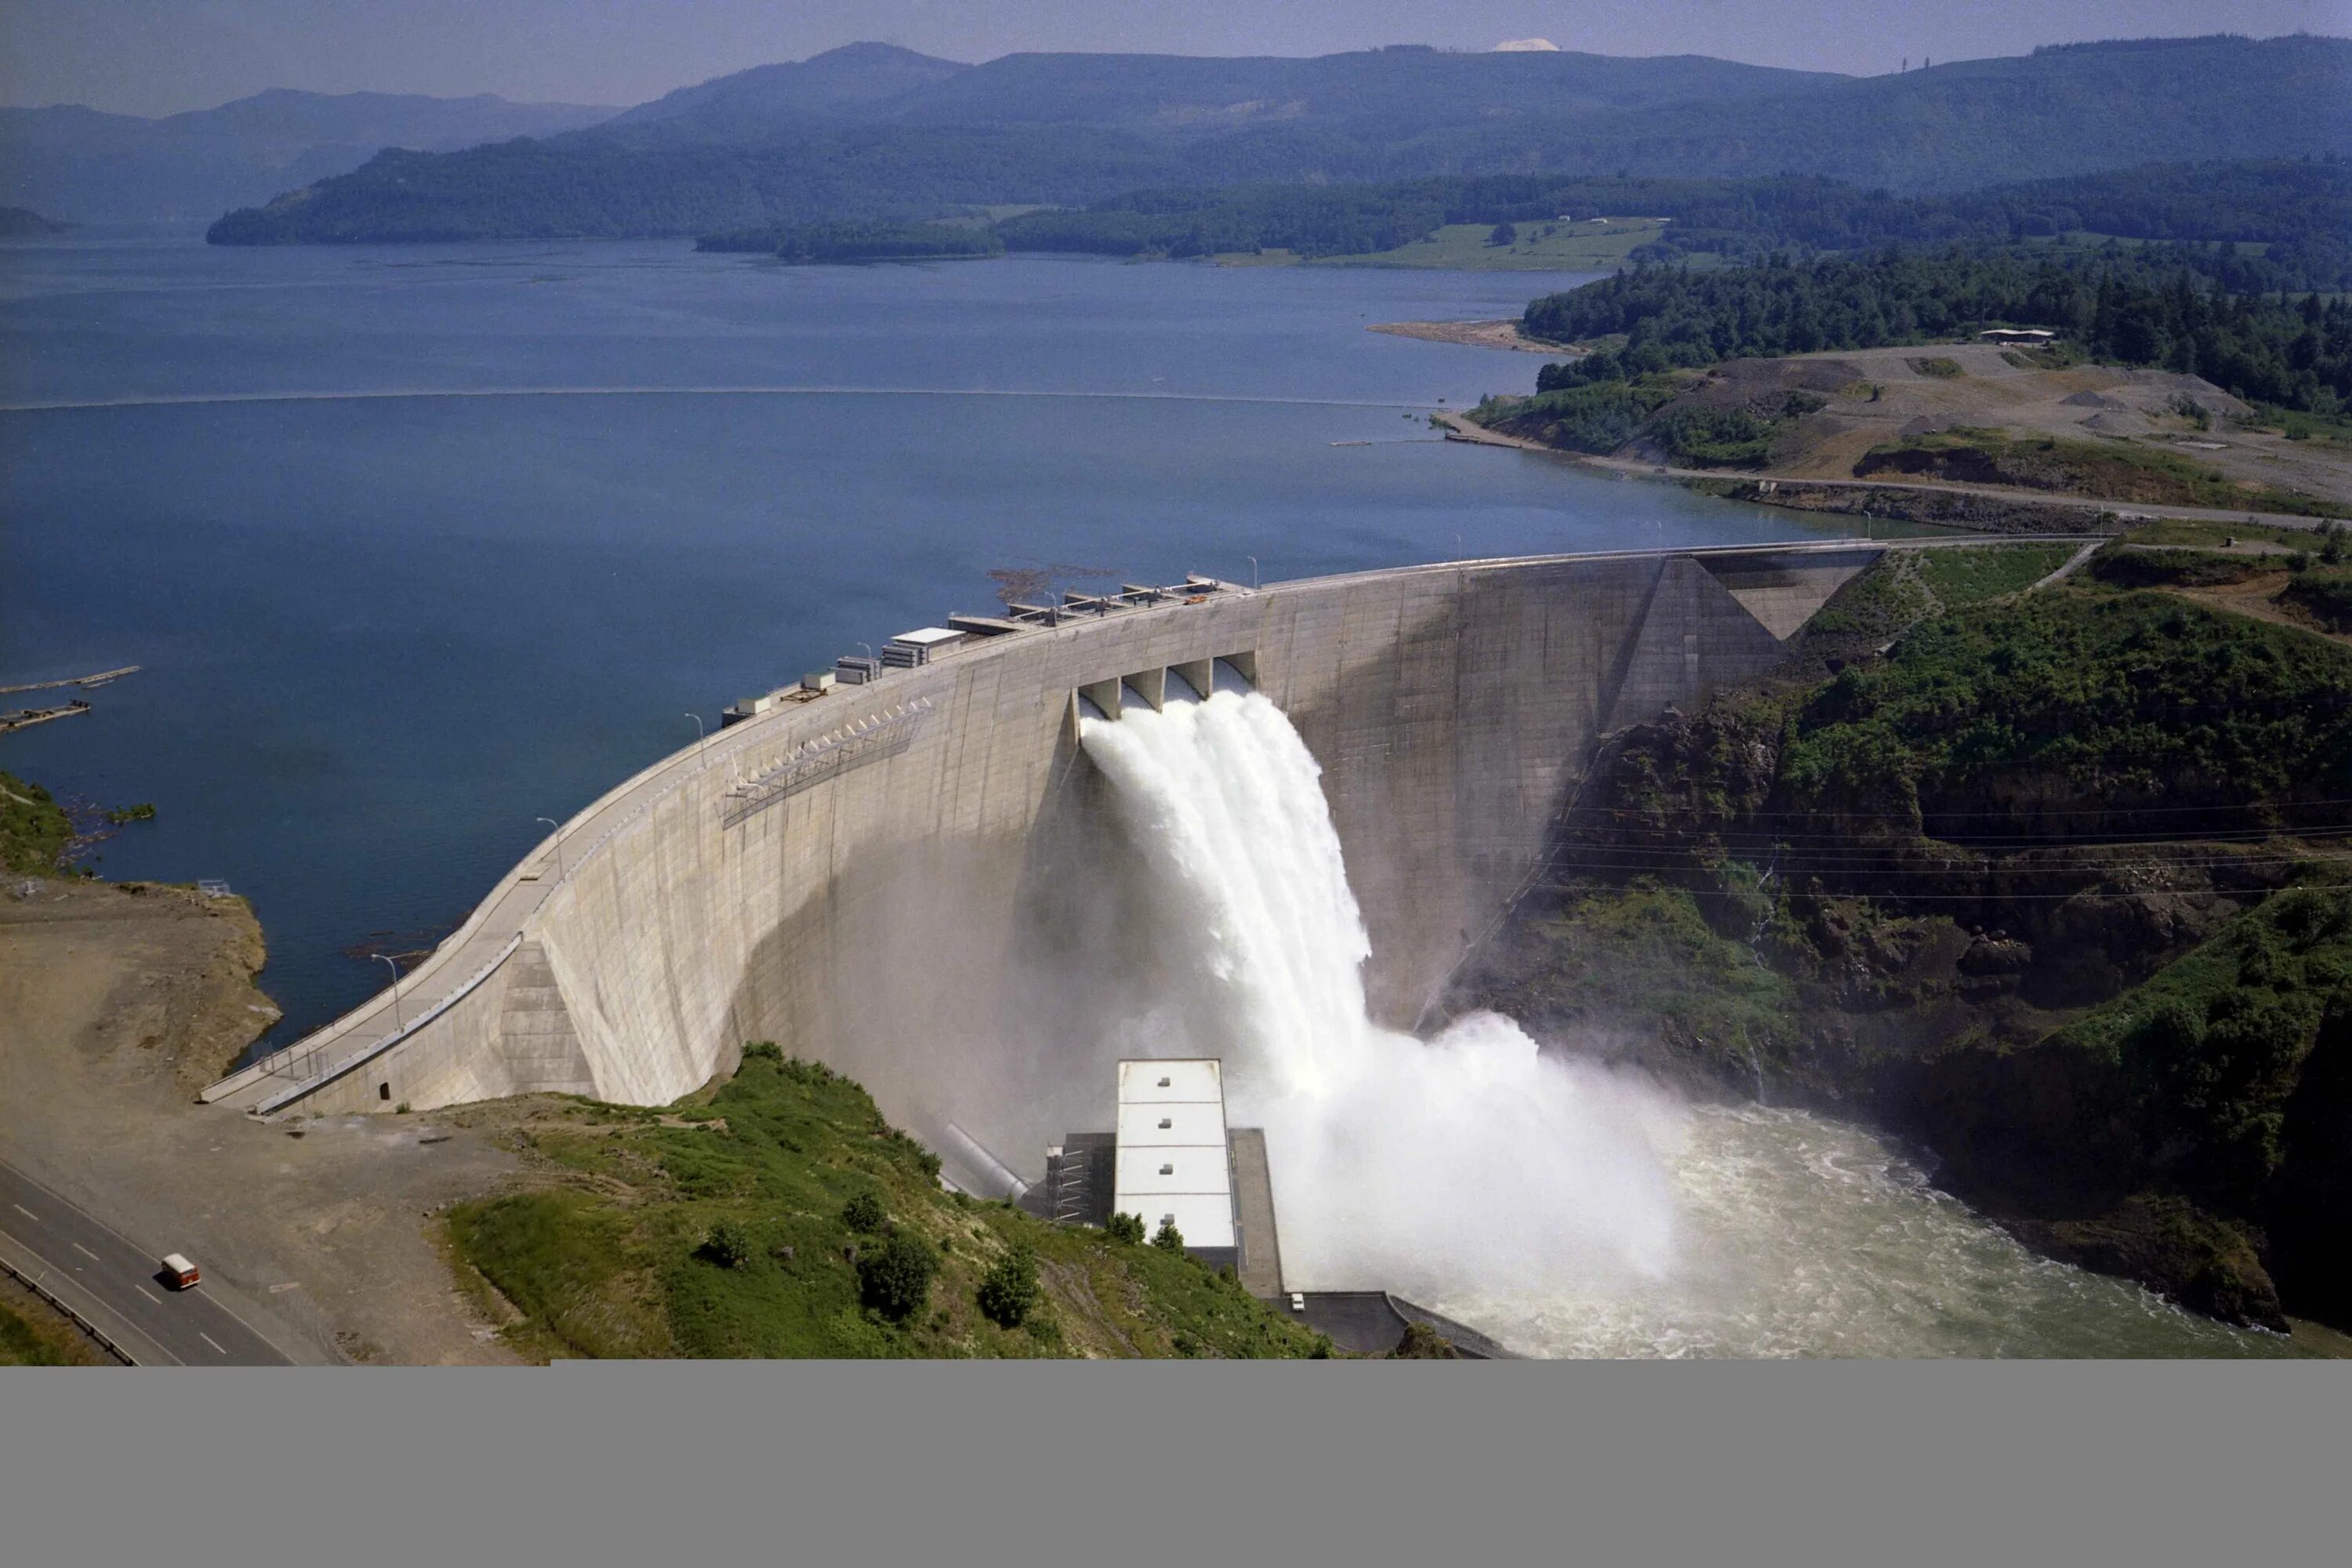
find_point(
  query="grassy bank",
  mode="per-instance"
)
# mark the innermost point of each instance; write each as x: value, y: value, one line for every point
x: 33, y: 828
x: 751, y: 1221
x: 34, y: 1336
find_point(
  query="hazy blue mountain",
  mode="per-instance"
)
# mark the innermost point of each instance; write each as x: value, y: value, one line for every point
x: 1406, y: 88
x: 2071, y: 108
x: 767, y: 99
x: 92, y: 167
x: 828, y: 141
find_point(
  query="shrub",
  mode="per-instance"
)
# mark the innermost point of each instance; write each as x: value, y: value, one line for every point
x: 863, y: 1213
x: 1009, y: 1293
x: 727, y: 1245
x: 763, y: 1051
x: 1126, y: 1228
x: 1168, y: 1239
x: 895, y: 1279
x: 1725, y: 437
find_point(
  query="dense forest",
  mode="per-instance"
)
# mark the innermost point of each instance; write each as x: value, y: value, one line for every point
x: 862, y: 242
x: 2166, y: 306
x: 1073, y: 130
x: 2300, y: 209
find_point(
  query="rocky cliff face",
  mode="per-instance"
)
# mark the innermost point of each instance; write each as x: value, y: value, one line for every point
x: 2052, y: 891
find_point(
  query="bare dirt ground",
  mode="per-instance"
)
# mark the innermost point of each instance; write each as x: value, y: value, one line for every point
x: 1502, y: 334
x: 2258, y: 596
x: 1879, y: 395
x: 114, y: 1006
x: 2056, y: 511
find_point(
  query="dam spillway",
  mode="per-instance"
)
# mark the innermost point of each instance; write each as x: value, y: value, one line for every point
x: 881, y: 878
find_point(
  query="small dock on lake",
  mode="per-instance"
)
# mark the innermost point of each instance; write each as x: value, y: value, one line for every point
x: 100, y: 678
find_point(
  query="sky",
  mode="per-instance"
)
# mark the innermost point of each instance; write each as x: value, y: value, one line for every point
x: 158, y: 56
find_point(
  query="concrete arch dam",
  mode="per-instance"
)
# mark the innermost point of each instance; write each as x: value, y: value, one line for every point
x: 916, y: 880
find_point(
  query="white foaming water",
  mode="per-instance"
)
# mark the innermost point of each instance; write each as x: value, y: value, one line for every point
x: 1563, y: 1208
x: 1397, y: 1162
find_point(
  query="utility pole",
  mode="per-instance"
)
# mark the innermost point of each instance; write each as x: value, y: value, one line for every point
x: 698, y: 739
x: 558, y: 843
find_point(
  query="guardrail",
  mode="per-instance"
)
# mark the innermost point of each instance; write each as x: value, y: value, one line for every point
x: 84, y: 1324
x: 313, y: 1081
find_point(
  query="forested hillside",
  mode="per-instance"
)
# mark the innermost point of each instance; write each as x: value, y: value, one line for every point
x: 2299, y: 211
x: 2054, y: 885
x: 2169, y: 307
x: 1070, y: 130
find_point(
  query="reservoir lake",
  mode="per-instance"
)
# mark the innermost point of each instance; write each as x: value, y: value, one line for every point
x: 416, y: 545
x: 381, y: 635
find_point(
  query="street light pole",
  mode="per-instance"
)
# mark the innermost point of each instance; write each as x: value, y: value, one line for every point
x: 388, y: 963
x: 558, y: 843
x: 1253, y: 561
x: 698, y: 738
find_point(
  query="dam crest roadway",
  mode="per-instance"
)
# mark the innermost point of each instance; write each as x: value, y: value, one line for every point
x: 841, y: 873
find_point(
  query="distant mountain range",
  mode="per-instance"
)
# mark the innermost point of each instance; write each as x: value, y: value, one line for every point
x: 84, y: 166
x: 872, y: 131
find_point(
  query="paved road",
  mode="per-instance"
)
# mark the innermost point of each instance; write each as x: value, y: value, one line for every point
x: 113, y: 1284
x: 1462, y: 430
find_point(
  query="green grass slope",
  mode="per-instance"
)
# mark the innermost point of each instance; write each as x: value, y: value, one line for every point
x: 729, y: 1226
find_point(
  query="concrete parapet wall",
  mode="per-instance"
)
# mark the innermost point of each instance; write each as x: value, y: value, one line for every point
x: 842, y: 874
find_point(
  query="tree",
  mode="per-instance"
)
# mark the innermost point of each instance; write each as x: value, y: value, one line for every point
x: 895, y: 1279
x: 1168, y: 1239
x: 863, y: 1213
x: 1504, y: 234
x: 727, y: 1245
x: 1009, y: 1292
x: 1126, y: 1228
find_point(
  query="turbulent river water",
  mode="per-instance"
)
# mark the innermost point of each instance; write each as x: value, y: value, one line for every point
x: 1562, y: 1207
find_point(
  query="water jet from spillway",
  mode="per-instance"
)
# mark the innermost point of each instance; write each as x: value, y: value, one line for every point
x: 1397, y: 1162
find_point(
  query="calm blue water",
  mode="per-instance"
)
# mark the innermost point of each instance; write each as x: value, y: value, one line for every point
x: 381, y: 635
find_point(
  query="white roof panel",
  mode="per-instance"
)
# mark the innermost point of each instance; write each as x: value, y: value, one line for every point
x: 1191, y: 1169
x: 1159, y: 1123
x: 923, y: 636
x: 1192, y: 1078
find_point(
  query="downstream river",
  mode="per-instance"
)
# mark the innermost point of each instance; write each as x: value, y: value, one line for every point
x: 384, y: 626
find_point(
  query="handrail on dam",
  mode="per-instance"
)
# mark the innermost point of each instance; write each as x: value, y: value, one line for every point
x: 310, y: 1081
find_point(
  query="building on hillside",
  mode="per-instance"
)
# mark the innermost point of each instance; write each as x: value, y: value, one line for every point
x: 1170, y: 1163
x: 1172, y: 1160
